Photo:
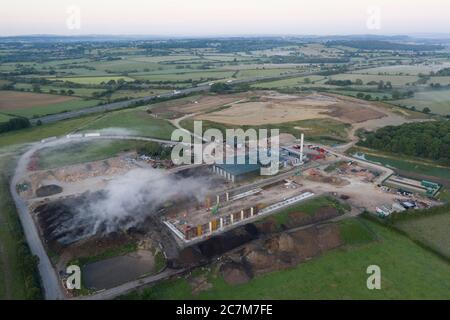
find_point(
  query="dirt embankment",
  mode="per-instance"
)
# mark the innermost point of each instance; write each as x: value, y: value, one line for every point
x: 279, y: 252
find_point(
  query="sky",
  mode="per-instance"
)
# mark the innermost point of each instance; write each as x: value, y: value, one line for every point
x: 227, y: 17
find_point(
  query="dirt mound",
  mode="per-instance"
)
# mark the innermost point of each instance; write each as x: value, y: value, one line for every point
x: 329, y: 237
x: 234, y: 273
x: 288, y: 249
x: 49, y: 190
x: 199, y: 284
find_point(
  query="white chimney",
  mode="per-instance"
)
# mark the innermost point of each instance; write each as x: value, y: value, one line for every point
x: 302, y: 137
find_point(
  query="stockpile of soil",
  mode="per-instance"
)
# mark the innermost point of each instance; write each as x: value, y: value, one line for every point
x: 289, y: 249
x: 49, y: 190
x: 234, y: 273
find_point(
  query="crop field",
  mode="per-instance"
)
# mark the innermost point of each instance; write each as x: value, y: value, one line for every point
x: 438, y: 101
x: 444, y: 81
x: 11, y: 100
x: 137, y: 122
x: 433, y: 231
x: 337, y: 274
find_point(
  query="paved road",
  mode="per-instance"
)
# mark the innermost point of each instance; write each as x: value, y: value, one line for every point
x: 49, y: 279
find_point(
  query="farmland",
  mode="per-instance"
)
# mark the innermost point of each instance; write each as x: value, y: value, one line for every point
x: 30, y: 105
x: 430, y: 230
x: 438, y: 101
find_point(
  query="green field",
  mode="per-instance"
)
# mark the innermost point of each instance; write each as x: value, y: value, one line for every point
x: 80, y: 152
x: 290, y: 83
x: 337, y: 274
x: 438, y: 101
x: 53, y: 108
x: 4, y: 117
x: 41, y: 132
x: 137, y: 121
x: 428, y: 170
x: 432, y: 230
x: 326, y: 131
x: 78, y: 92
x: 308, y: 207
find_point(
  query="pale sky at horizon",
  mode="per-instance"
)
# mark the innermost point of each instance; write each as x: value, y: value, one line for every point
x: 229, y: 17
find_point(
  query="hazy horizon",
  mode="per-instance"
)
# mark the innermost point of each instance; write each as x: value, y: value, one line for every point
x: 200, y: 18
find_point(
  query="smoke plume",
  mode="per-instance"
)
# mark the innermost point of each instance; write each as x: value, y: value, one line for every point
x: 126, y: 202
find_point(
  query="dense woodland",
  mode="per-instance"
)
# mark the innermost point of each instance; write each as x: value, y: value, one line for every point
x: 430, y: 140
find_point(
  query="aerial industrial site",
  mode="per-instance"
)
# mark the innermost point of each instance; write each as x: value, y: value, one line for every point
x: 230, y: 151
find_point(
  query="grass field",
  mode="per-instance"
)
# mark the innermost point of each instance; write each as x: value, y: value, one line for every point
x: 438, y: 101
x: 407, y: 270
x: 40, y: 132
x: 326, y: 131
x: 433, y: 231
x: 397, y: 163
x: 308, y: 207
x: 53, y: 108
x: 79, y: 152
x: 79, y: 92
x: 137, y: 121
x: 4, y: 117
x: 289, y: 83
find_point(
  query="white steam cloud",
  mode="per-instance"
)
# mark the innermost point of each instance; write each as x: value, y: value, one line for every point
x: 128, y: 201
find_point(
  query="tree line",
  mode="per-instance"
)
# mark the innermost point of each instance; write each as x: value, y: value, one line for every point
x: 430, y: 140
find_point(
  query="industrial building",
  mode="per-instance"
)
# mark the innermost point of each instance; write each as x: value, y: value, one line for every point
x: 236, y: 172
